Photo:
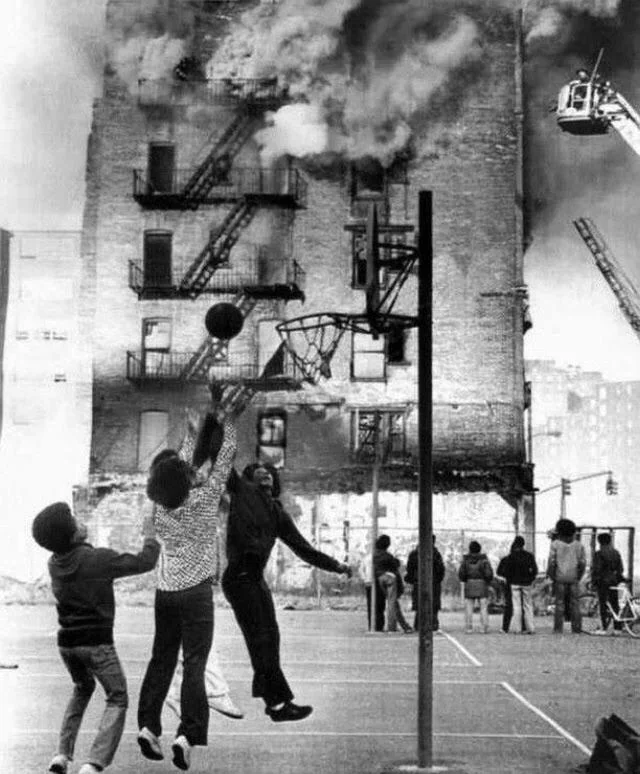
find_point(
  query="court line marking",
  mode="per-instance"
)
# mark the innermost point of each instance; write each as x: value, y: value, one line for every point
x: 562, y: 731
x: 358, y: 734
x: 311, y: 681
x: 246, y: 662
x: 463, y: 650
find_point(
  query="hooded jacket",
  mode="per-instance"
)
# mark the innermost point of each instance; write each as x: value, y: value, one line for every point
x: 476, y: 574
x: 607, y: 567
x: 82, y: 583
x: 567, y: 561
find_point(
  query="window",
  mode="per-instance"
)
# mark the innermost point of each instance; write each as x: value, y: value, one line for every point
x: 391, y: 426
x: 396, y: 341
x: 60, y: 377
x: 272, y: 438
x: 157, y: 259
x: 368, y: 360
x: 358, y: 259
x: 22, y: 335
x: 156, y: 334
x: 161, y: 167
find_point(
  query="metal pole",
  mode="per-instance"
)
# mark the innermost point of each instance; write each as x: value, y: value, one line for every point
x: 425, y: 482
x: 632, y: 538
x: 375, y: 488
x: 563, y: 501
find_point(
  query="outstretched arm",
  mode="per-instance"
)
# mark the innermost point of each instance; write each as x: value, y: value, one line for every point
x: 289, y: 534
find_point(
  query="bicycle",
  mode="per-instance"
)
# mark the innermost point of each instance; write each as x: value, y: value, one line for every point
x: 628, y: 611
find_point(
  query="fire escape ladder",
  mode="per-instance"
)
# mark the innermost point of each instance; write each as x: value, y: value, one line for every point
x: 217, y: 249
x: 215, y: 167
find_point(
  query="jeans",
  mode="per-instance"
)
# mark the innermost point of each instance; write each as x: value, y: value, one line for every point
x: 182, y: 618
x: 86, y: 664
x: 252, y: 603
x: 566, y: 597
x: 507, y: 613
x: 522, y: 608
x: 608, y: 594
x: 388, y: 584
x: 469, y: 604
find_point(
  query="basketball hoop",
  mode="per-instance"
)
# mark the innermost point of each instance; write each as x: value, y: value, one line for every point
x: 313, y: 339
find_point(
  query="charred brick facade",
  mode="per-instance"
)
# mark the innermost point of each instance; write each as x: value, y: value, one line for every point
x: 472, y: 164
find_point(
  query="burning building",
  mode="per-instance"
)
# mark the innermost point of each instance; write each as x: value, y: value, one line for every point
x: 233, y: 156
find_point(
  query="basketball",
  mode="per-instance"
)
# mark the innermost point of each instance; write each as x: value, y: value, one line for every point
x: 223, y: 321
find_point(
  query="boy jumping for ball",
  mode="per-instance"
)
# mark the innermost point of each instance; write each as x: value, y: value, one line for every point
x: 82, y: 582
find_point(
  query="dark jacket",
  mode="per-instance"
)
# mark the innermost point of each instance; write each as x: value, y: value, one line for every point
x: 256, y: 520
x: 518, y: 568
x: 476, y: 574
x: 384, y: 561
x: 82, y: 583
x: 607, y: 567
x: 411, y: 576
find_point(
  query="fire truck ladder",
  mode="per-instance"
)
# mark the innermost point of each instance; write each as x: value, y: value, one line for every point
x: 217, y: 249
x: 213, y: 349
x: 216, y: 165
x: 622, y: 287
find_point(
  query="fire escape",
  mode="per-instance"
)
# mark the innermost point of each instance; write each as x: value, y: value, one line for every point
x: 216, y: 181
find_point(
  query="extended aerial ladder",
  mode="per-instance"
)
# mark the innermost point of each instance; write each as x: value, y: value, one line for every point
x: 617, y: 279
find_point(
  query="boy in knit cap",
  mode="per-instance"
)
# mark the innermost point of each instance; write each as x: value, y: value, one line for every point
x: 82, y: 582
x: 187, y: 498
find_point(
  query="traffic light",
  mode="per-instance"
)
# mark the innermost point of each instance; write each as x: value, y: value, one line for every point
x: 612, y: 486
x: 566, y: 486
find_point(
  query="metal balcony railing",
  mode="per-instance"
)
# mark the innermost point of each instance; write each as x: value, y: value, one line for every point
x: 259, y: 269
x: 260, y: 93
x: 279, y: 185
x: 171, y: 367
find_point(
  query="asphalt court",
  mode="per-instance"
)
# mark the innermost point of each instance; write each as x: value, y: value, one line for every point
x: 363, y: 688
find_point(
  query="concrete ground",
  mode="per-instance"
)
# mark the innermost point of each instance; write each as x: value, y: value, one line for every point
x: 500, y: 703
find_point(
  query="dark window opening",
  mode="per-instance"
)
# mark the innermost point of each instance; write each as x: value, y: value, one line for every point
x: 157, y: 259
x: 396, y: 345
x: 161, y: 167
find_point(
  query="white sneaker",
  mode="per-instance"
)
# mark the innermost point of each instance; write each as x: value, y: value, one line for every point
x: 59, y: 764
x: 601, y: 632
x: 89, y: 768
x: 225, y: 706
x: 181, y: 752
x: 150, y: 745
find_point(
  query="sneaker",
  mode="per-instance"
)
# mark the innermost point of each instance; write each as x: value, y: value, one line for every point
x: 290, y: 711
x: 150, y: 745
x: 601, y: 632
x: 59, y: 764
x: 89, y: 768
x: 181, y: 752
x: 468, y: 631
x: 225, y: 706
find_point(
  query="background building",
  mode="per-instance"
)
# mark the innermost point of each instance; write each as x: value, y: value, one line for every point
x: 46, y: 395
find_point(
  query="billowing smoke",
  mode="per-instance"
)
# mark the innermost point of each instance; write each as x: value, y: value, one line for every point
x: 365, y: 69
x: 548, y: 18
x: 143, y: 58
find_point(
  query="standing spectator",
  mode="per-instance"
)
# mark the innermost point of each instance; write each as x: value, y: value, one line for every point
x: 507, y: 613
x: 82, y: 583
x: 386, y: 569
x: 566, y: 566
x: 256, y: 520
x: 519, y: 569
x: 606, y: 573
x: 367, y: 576
x: 187, y: 500
x: 476, y: 574
x: 411, y: 576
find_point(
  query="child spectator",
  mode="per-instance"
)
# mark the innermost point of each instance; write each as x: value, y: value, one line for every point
x: 519, y: 569
x: 386, y: 569
x: 566, y: 566
x: 411, y: 577
x: 476, y: 574
x: 606, y: 573
x: 82, y: 583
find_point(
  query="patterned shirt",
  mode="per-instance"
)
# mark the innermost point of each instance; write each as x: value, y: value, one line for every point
x: 189, y: 534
